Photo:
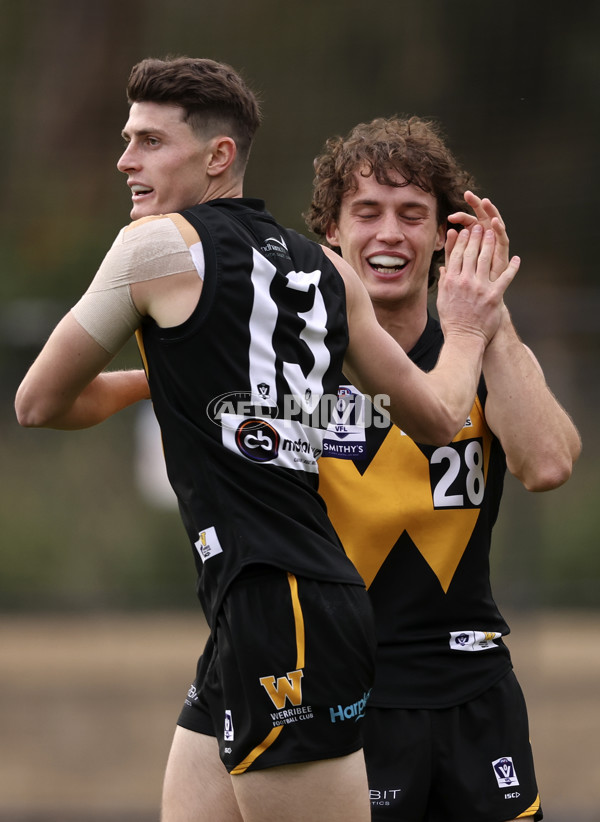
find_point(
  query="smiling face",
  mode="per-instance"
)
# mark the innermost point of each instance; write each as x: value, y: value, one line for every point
x: 165, y: 161
x: 388, y: 235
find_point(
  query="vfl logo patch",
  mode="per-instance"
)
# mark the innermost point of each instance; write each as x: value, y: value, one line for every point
x: 505, y: 772
x: 288, y: 687
x: 228, y: 729
x: 345, y: 437
x: 208, y: 544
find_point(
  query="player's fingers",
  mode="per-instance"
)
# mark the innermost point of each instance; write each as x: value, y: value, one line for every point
x: 477, y: 204
x: 462, y: 218
x: 471, y: 198
x: 499, y: 227
x: 471, y: 252
x: 485, y: 256
x: 491, y: 210
x: 451, y: 238
x: 509, y: 273
x: 454, y: 260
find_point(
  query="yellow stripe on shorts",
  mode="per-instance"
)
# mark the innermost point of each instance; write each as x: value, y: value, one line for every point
x: 300, y: 655
x: 532, y: 809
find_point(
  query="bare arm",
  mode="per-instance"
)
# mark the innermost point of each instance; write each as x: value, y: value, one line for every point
x: 431, y: 407
x: 65, y: 389
x: 538, y: 437
x: 147, y: 271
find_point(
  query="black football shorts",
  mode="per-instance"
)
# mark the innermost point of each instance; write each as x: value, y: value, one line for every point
x: 287, y: 671
x: 472, y: 761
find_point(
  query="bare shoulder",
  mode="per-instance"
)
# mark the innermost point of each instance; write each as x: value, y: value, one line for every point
x: 342, y: 266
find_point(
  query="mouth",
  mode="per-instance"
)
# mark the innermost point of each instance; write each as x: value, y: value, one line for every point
x: 139, y: 192
x: 384, y: 265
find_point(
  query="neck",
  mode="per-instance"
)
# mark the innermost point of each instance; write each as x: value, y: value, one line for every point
x: 223, y: 188
x: 404, y: 322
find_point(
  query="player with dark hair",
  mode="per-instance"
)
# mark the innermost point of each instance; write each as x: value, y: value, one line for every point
x: 244, y: 327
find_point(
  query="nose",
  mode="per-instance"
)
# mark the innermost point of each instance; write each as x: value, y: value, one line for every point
x: 389, y: 229
x: 127, y: 161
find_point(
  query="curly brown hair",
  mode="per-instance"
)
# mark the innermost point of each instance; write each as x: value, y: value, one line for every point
x: 411, y: 147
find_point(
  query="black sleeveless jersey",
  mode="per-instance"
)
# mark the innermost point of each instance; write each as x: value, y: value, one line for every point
x: 241, y: 390
x: 417, y: 521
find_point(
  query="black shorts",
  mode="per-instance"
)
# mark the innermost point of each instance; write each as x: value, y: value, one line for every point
x: 286, y: 674
x: 471, y: 762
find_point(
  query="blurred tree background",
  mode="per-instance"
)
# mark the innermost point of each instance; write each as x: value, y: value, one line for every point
x: 516, y: 87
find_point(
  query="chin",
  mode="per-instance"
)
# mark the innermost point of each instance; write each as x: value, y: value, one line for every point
x: 149, y: 209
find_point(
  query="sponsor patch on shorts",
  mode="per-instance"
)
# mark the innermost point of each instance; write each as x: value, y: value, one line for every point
x: 473, y: 640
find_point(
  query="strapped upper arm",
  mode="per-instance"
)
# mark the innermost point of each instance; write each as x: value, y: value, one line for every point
x: 146, y: 250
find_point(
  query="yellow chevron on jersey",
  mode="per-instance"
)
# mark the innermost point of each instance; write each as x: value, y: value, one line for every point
x: 370, y: 511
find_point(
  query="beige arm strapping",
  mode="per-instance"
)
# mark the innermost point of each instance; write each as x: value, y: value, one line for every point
x: 147, y: 249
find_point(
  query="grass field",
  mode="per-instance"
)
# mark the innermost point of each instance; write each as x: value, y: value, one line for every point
x: 88, y: 705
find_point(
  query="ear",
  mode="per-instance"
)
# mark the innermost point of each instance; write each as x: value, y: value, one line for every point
x: 332, y: 235
x: 222, y: 154
x: 440, y: 239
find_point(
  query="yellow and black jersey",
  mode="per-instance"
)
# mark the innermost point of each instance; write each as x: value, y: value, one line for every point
x: 236, y: 390
x: 416, y: 520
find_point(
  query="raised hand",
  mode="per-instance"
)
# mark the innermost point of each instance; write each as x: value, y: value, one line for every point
x: 470, y: 298
x: 488, y: 217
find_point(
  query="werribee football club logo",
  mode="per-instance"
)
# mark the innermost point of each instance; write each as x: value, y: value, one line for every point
x: 257, y: 440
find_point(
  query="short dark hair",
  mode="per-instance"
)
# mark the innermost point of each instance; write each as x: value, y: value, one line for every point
x: 412, y: 147
x: 213, y: 95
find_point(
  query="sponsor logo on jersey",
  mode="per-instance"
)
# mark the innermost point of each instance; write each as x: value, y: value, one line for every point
x: 274, y: 247
x: 301, y: 446
x: 504, y: 769
x: 208, y: 544
x: 257, y: 440
x: 354, y: 711
x: 473, y: 640
x: 282, y: 442
x: 228, y: 733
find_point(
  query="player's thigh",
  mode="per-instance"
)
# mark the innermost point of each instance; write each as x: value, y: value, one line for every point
x: 197, y: 787
x: 331, y: 789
